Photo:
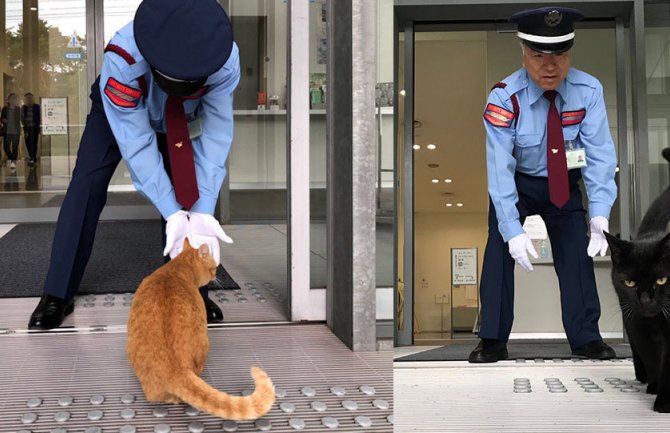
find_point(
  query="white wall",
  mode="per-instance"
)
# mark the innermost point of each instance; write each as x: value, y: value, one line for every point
x: 385, y: 41
x: 434, y: 236
x: 537, y: 297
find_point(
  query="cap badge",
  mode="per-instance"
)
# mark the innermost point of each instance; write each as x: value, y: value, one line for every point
x: 179, y: 145
x: 553, y: 18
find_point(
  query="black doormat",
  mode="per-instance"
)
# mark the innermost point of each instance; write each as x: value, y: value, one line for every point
x: 525, y: 349
x: 124, y: 253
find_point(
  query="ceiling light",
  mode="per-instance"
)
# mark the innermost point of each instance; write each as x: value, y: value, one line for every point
x: 449, y: 205
x: 447, y: 181
x: 416, y: 147
x: 436, y: 180
x: 459, y: 204
x: 431, y: 146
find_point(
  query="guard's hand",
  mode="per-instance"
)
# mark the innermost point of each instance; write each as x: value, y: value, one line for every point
x: 598, y: 243
x: 176, y: 229
x: 519, y: 248
x: 205, y: 229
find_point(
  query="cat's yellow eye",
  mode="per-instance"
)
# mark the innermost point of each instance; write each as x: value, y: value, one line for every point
x: 629, y: 283
x: 661, y: 281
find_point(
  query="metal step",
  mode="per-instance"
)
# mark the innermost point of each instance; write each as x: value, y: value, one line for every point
x: 256, y: 301
x: 308, y: 364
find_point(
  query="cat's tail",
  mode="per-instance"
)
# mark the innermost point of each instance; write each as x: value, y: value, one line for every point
x: 658, y: 215
x: 196, y: 392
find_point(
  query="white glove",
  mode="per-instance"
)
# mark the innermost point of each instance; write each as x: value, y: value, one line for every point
x: 519, y: 247
x: 598, y: 243
x: 176, y: 229
x: 205, y: 229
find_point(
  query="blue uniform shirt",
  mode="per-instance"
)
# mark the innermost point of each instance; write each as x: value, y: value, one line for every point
x: 135, y: 127
x: 523, y: 147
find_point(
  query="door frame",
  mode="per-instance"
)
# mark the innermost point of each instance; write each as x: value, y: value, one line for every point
x: 304, y: 303
x: 412, y: 16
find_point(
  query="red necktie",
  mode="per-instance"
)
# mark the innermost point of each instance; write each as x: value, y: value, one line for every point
x: 557, y: 164
x: 180, y: 151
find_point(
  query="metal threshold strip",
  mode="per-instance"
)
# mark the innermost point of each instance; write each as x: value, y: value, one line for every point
x: 124, y: 328
x: 524, y: 396
x: 81, y: 382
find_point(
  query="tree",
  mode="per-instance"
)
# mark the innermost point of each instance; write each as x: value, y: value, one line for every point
x: 52, y: 46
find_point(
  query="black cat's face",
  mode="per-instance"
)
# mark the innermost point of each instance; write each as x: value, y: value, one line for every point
x: 640, y: 272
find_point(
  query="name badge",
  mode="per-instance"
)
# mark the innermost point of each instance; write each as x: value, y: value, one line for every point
x: 576, y: 156
x: 194, y: 126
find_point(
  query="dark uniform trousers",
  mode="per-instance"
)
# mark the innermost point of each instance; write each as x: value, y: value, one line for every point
x: 97, y: 159
x: 567, y: 232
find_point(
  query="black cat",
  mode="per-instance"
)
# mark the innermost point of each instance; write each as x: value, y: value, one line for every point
x: 640, y: 272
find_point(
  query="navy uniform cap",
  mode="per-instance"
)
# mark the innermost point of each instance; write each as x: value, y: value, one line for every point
x: 183, y: 39
x: 548, y: 29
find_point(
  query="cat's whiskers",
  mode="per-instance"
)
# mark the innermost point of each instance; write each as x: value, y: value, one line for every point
x: 665, y: 309
x: 627, y: 311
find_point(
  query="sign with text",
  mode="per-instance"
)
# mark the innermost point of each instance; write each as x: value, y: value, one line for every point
x: 54, y: 116
x: 463, y: 266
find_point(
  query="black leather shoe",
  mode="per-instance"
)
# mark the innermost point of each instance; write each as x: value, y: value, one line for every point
x: 595, y: 350
x: 50, y: 312
x: 214, y: 313
x: 217, y: 283
x: 488, y: 351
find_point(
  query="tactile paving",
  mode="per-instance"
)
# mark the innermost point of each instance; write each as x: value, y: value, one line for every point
x: 93, y: 383
x: 128, y: 429
x: 65, y: 401
x: 196, y: 427
x: 267, y: 305
x: 128, y: 413
x: 229, y: 426
x: 591, y: 404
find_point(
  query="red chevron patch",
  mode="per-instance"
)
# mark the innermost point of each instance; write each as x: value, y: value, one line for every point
x: 498, y: 116
x: 572, y: 117
x: 122, y: 95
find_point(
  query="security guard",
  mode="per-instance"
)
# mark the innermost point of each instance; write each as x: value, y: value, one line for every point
x: 546, y: 128
x: 163, y: 103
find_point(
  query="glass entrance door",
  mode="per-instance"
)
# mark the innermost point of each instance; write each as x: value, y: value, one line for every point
x: 44, y: 82
x: 448, y: 71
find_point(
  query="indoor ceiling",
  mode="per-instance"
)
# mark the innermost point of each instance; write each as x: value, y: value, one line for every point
x: 451, y: 90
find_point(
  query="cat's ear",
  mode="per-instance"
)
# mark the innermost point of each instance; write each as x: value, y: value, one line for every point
x: 204, y: 251
x: 665, y: 245
x: 187, y: 245
x: 618, y: 247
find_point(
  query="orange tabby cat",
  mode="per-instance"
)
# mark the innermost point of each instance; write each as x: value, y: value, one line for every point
x: 168, y: 344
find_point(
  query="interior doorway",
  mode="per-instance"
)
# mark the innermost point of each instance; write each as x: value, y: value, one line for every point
x: 445, y: 73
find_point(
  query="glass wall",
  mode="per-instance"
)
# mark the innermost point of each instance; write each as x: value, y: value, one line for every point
x: 43, y: 53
